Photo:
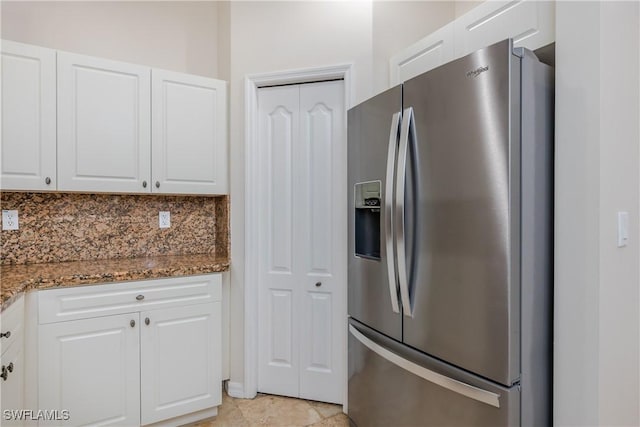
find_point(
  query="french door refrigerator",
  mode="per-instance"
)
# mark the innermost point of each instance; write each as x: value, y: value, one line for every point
x: 450, y: 246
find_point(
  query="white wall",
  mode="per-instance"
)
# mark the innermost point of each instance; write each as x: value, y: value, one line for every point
x: 276, y: 36
x: 174, y: 35
x: 597, y: 325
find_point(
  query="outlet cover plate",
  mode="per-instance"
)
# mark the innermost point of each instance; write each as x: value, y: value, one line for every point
x: 164, y: 219
x: 10, y: 220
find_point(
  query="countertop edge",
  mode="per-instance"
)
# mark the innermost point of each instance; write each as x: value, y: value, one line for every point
x: 44, y: 282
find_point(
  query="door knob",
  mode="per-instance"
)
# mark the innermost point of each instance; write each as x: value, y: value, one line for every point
x: 4, y: 373
x: 47, y: 180
x: 10, y: 367
x: 133, y: 323
x: 5, y: 334
x: 157, y: 184
x: 318, y: 284
x: 144, y: 184
x: 147, y: 321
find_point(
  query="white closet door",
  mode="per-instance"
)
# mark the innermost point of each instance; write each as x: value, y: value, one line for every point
x: 302, y: 240
x: 322, y: 230
x: 279, y: 277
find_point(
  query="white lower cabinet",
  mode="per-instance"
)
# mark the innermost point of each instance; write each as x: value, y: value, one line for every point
x: 160, y: 361
x: 91, y: 368
x: 178, y: 347
x: 12, y: 362
x: 12, y: 385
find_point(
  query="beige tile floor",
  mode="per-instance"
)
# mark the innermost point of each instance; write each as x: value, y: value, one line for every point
x: 269, y: 410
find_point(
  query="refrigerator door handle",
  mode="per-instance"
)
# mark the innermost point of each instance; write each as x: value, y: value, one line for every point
x: 388, y: 209
x: 407, y: 128
x: 455, y: 386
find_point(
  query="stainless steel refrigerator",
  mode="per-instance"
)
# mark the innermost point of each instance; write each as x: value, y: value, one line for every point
x: 450, y: 246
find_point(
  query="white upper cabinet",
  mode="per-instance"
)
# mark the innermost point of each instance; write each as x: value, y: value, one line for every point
x: 189, y: 134
x: 104, y: 125
x: 28, y: 152
x: 430, y: 52
x: 529, y: 23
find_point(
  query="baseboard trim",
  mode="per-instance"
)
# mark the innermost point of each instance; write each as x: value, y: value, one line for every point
x: 235, y: 389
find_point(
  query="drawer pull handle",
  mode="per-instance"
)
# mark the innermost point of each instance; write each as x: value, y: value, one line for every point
x: 10, y: 367
x: 140, y: 297
x: 4, y: 373
x: 133, y: 323
x: 318, y: 284
x: 147, y: 321
x: 5, y: 334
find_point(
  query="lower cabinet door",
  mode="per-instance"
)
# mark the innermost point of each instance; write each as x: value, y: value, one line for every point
x: 12, y: 385
x: 89, y: 371
x: 180, y: 361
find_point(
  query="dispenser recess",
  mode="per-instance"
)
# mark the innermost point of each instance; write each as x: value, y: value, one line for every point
x: 368, y: 197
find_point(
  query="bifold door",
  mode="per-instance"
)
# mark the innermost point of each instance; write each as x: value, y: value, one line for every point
x: 302, y: 236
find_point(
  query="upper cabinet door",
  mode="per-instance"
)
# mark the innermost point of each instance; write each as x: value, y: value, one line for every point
x: 28, y: 154
x: 529, y: 23
x: 104, y: 125
x: 432, y: 51
x: 189, y: 134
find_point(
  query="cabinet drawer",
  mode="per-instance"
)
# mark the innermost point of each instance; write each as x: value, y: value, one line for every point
x: 74, y: 303
x: 11, y: 324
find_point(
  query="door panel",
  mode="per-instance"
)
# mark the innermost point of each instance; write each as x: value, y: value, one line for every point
x: 369, y: 126
x: 428, y: 53
x: 92, y: 369
x: 180, y: 369
x: 321, y: 205
x: 278, y: 370
x: 104, y: 125
x: 189, y: 134
x: 530, y: 24
x: 465, y: 262
x: 28, y: 154
x: 419, y: 390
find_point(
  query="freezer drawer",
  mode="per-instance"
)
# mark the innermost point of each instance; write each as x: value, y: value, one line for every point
x: 392, y: 384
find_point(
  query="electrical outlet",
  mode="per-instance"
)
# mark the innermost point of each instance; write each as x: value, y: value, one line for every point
x: 10, y: 220
x: 164, y: 219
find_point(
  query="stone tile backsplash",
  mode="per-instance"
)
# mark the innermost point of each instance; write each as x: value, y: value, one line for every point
x: 58, y: 227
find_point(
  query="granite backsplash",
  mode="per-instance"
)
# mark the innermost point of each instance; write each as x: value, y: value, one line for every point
x: 58, y: 227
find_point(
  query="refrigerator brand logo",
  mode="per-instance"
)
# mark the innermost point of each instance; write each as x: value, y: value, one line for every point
x: 477, y: 71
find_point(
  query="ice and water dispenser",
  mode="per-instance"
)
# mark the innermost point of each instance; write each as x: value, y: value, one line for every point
x: 368, y: 198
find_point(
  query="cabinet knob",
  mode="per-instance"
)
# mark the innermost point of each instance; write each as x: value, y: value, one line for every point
x: 147, y: 321
x: 318, y: 284
x: 157, y: 184
x: 4, y: 373
x: 47, y: 180
x: 5, y: 334
x: 140, y: 297
x: 144, y: 184
x: 10, y: 367
x: 133, y: 323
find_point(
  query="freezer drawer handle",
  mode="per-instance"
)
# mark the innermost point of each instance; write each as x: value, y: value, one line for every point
x: 456, y: 386
x: 388, y: 211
